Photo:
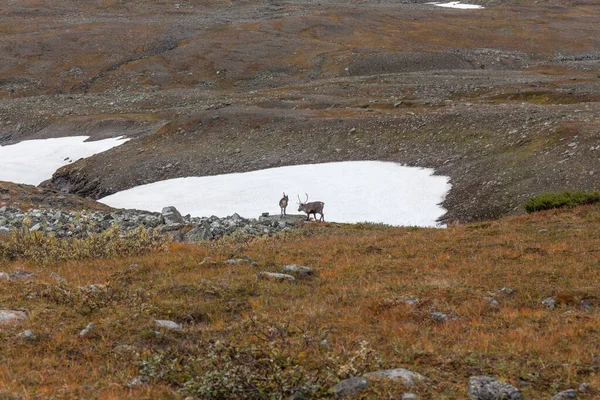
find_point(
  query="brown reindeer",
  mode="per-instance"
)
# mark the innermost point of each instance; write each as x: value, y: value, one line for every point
x: 313, y: 208
x: 283, y: 203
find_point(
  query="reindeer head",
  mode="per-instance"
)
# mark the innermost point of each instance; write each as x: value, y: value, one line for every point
x: 301, y: 204
x: 285, y: 197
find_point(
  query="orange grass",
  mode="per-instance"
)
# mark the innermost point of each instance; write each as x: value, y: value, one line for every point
x: 361, y: 274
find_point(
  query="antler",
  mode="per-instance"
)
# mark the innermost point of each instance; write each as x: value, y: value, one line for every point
x: 299, y: 201
x: 306, y: 197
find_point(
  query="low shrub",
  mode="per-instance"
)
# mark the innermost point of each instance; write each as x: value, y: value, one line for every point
x: 547, y: 201
x: 36, y: 246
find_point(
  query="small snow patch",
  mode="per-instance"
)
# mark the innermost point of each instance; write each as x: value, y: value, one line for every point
x: 457, y: 4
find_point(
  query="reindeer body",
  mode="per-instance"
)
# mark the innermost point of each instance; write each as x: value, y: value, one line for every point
x: 283, y: 204
x: 313, y: 208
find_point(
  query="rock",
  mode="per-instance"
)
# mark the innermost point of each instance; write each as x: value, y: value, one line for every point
x: 198, y: 233
x: 492, y: 301
x: 11, y: 316
x: 275, y: 276
x: 549, y: 302
x: 28, y: 335
x: 298, y: 270
x: 506, y: 290
x: 233, y: 261
x: 438, y: 316
x: 5, y: 231
x: 349, y: 387
x: 21, y: 275
x: 171, y: 216
x: 409, y: 396
x: 399, y: 374
x: 138, y: 381
x: 4, y: 276
x: 168, y: 324
x: 565, y: 394
x: 87, y: 331
x: 487, y: 388
x: 583, y: 387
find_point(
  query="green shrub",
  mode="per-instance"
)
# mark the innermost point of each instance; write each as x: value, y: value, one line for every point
x: 547, y: 201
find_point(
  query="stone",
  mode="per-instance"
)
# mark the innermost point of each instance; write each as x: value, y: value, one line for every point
x: 438, y: 316
x: 168, y: 324
x: 233, y: 261
x: 198, y: 233
x: 583, y: 387
x: 138, y: 381
x: 4, y: 276
x: 487, y: 388
x: 28, y: 335
x: 492, y: 301
x: 549, y: 302
x: 87, y: 331
x: 350, y: 387
x: 21, y: 275
x: 11, y: 316
x: 171, y: 216
x: 298, y: 270
x: 565, y: 394
x: 506, y: 290
x: 403, y: 375
x: 409, y: 396
x: 275, y: 276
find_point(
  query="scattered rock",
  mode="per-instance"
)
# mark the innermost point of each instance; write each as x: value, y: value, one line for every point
x: 409, y: 396
x: 87, y: 331
x: 138, y: 381
x: 198, y: 233
x: 168, y: 324
x: 171, y: 216
x: 298, y: 270
x: 565, y: 394
x: 275, y: 276
x: 492, y: 301
x: 487, y: 388
x: 4, y: 276
x: 233, y: 261
x: 349, y: 387
x: 28, y: 335
x: 11, y: 316
x: 583, y: 387
x: 399, y: 374
x: 21, y: 275
x: 438, y: 316
x: 507, y: 291
x: 549, y: 302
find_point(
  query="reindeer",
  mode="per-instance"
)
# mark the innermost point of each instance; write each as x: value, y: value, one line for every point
x: 283, y: 204
x: 313, y: 208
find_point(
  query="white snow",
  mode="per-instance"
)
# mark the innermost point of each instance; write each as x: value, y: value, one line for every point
x: 457, y: 4
x: 34, y: 161
x: 353, y: 191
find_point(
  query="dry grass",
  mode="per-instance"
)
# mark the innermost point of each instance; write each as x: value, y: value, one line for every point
x: 261, y: 330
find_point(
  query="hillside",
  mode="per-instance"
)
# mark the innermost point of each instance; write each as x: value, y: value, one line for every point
x: 447, y: 304
x: 503, y: 100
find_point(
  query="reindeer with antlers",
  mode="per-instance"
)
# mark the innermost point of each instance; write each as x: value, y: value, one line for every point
x: 313, y: 208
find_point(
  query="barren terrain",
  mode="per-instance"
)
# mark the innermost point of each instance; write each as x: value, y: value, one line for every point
x: 504, y: 100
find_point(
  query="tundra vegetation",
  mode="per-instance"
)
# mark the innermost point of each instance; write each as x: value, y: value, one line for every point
x: 444, y: 303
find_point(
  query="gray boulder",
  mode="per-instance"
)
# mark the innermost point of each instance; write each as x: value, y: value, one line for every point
x: 28, y: 335
x: 171, y: 216
x: 487, y: 388
x: 198, y: 233
x: 298, y: 270
x: 168, y: 324
x: 11, y: 316
x: 349, y: 387
x: 87, y: 331
x: 565, y: 394
x: 275, y: 276
x: 399, y: 374
x: 549, y: 302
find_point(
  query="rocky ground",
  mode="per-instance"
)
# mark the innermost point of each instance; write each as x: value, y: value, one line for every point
x: 503, y: 100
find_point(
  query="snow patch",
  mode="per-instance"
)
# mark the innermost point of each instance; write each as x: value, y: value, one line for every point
x: 354, y: 191
x: 457, y: 4
x: 33, y: 161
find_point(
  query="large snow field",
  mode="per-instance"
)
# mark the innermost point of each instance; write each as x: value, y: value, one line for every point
x: 354, y: 191
x: 457, y: 4
x: 34, y: 161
